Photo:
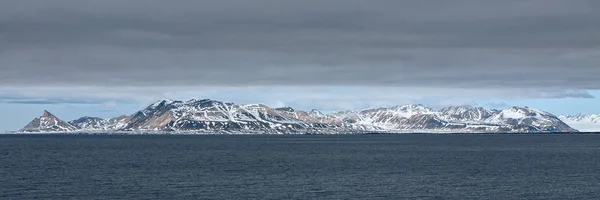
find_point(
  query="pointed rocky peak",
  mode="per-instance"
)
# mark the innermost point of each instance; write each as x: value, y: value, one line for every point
x: 158, y: 106
x: 315, y: 112
x: 48, y: 123
x: 47, y: 114
x: 162, y: 102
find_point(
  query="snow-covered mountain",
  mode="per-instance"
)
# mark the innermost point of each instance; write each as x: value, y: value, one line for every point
x: 96, y: 123
x: 48, y: 123
x: 583, y: 122
x: 527, y: 119
x: 456, y: 119
x: 210, y: 116
x: 466, y: 113
x: 215, y: 116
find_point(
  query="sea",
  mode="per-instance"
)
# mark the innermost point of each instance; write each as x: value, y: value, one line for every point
x: 402, y: 166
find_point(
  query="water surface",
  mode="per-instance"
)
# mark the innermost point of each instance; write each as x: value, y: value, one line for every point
x: 409, y: 166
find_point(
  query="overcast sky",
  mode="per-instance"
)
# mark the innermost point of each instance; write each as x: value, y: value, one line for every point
x: 328, y: 54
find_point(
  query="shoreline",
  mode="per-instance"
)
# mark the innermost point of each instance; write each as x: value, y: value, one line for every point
x: 267, y: 133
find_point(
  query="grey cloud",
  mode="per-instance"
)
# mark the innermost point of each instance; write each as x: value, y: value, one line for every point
x: 458, y: 44
x: 497, y: 105
x: 567, y: 94
x: 44, y: 101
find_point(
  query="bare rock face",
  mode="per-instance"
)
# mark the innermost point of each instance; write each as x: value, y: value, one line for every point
x: 48, y: 123
x: 96, y: 123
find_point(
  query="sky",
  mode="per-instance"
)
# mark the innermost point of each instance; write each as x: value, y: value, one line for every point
x: 112, y: 57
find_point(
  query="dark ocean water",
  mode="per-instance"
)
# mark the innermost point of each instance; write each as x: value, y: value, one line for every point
x: 412, y: 166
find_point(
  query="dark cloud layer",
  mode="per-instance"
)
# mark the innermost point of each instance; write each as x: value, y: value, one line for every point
x: 435, y: 43
x: 45, y: 101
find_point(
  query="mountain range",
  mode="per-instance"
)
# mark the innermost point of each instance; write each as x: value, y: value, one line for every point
x: 583, y: 122
x: 216, y: 117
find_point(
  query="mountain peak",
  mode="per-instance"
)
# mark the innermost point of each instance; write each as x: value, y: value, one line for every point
x: 47, y: 114
x: 48, y: 123
x: 316, y: 111
x: 161, y: 102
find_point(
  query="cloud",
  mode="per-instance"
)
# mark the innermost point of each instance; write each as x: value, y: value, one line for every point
x: 325, y: 98
x: 109, y: 105
x: 496, y: 105
x: 535, y: 45
x: 566, y: 94
x: 44, y: 101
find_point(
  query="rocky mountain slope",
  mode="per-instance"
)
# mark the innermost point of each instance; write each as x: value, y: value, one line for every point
x: 48, y: 123
x: 96, y: 123
x: 583, y: 122
x: 210, y: 116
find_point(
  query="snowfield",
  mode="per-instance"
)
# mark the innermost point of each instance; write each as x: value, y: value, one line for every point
x: 583, y: 122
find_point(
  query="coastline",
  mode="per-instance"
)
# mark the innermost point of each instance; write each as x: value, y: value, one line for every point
x: 280, y: 133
